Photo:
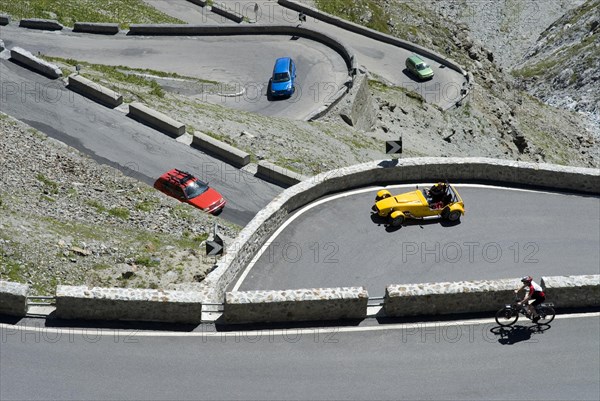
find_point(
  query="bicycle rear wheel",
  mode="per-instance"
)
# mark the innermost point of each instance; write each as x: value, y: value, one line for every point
x: 546, y: 314
x: 506, y: 316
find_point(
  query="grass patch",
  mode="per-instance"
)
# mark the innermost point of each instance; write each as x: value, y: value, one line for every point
x: 49, y: 185
x: 47, y: 198
x: 96, y: 205
x: 181, y: 211
x: 562, y: 58
x: 119, y: 212
x: 156, y: 90
x: 355, y: 10
x: 146, y: 261
x: 131, y: 82
x: 10, y: 270
x: 67, y: 12
x: 415, y: 95
x: 147, y: 205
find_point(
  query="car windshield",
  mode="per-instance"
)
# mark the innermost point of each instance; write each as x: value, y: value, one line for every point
x: 422, y: 66
x: 281, y: 77
x: 195, y: 188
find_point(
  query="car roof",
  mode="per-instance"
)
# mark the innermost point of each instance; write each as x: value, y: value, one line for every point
x: 416, y: 59
x: 177, y: 176
x: 282, y: 64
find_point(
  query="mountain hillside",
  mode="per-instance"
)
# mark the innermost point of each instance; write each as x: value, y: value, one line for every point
x: 563, y: 68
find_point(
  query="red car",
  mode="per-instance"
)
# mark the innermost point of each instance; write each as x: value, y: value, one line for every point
x: 189, y: 189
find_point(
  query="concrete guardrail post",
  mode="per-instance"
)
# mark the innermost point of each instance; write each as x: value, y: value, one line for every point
x: 156, y: 119
x: 278, y: 175
x: 25, y: 57
x: 94, y: 91
x: 43, y: 24
x: 220, y: 149
x: 222, y: 10
x: 97, y: 28
x: 13, y: 298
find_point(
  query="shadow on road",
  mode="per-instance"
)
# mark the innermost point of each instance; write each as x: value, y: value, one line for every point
x: 518, y: 333
x: 384, y: 221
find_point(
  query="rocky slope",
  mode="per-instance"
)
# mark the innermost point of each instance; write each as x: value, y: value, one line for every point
x: 563, y: 68
x: 509, y: 28
x: 499, y: 119
x: 67, y: 220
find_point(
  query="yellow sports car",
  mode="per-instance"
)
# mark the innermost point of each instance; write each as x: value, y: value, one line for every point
x: 442, y: 199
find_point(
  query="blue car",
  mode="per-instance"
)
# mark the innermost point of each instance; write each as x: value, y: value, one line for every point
x: 284, y: 76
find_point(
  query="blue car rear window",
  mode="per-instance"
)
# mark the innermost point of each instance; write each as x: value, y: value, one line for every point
x: 281, y: 77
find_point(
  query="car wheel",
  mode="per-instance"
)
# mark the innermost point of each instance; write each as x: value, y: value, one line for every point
x: 382, y: 195
x: 397, y: 221
x: 454, y: 215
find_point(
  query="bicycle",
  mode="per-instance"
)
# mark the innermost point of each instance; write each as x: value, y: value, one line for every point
x: 509, y: 314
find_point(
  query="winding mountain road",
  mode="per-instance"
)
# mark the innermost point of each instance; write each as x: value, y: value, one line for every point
x: 506, y: 232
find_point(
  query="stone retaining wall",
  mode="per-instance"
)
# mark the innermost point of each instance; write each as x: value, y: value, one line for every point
x: 572, y: 291
x: 448, y: 298
x: 212, y: 30
x: 359, y: 109
x: 370, y: 33
x: 296, y: 305
x: 482, y: 170
x: 128, y: 304
x: 13, y: 298
x: 381, y: 37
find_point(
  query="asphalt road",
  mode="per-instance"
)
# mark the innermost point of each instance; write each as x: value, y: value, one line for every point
x: 473, y: 361
x: 504, y: 233
x: 385, y: 60
x: 244, y: 62
x: 112, y: 138
x: 189, y: 12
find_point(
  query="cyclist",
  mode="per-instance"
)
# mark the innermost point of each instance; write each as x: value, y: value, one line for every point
x: 533, y: 291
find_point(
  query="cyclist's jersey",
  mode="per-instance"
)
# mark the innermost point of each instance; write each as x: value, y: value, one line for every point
x: 536, y: 288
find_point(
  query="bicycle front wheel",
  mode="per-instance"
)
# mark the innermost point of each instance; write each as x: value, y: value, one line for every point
x: 546, y: 314
x: 506, y: 317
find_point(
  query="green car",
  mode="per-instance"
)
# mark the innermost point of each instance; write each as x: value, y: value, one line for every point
x: 419, y: 67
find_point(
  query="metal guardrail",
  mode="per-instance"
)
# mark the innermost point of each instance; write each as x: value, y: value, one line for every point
x: 213, y: 307
x: 34, y: 300
x: 375, y: 301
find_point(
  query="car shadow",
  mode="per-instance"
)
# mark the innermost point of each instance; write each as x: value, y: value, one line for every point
x: 270, y: 97
x: 518, y: 333
x: 413, y: 77
x: 384, y: 221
